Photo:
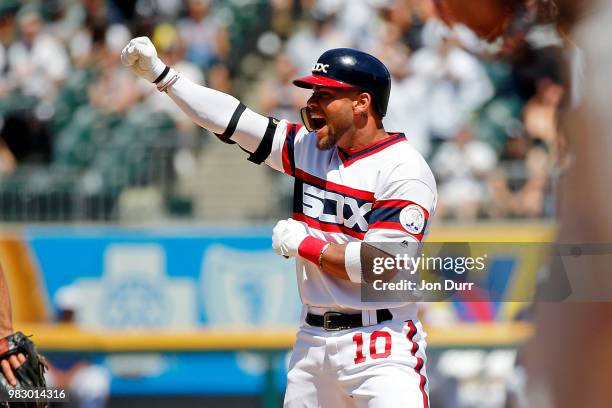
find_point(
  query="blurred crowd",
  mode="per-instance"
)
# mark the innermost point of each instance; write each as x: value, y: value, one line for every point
x: 484, y: 115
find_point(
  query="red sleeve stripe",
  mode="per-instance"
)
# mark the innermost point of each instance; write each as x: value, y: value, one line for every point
x: 286, y: 164
x: 394, y: 226
x: 330, y: 186
x: 316, y: 224
x: 287, y: 154
x: 398, y: 204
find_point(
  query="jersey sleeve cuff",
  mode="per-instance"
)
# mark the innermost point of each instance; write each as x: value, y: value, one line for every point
x: 352, y: 261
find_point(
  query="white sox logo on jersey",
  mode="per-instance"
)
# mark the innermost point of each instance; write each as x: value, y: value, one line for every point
x: 318, y: 67
x: 334, y: 208
x: 331, y: 207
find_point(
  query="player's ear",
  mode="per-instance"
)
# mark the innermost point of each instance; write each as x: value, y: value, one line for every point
x: 362, y: 103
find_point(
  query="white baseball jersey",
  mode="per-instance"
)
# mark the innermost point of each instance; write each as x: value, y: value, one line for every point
x: 382, y: 192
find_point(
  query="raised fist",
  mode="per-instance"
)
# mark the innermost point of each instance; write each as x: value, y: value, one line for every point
x: 141, y: 57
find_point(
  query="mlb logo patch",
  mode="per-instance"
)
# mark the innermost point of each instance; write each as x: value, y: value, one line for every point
x: 413, y: 219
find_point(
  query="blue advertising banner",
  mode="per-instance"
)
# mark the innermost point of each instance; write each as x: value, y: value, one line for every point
x: 170, y: 279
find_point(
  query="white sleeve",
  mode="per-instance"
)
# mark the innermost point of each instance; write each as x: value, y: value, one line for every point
x: 213, y: 110
x: 403, y: 212
x: 218, y: 112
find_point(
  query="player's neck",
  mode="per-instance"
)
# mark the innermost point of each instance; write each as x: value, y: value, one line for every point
x: 372, y: 132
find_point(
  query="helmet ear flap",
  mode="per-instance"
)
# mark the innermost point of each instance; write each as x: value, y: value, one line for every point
x: 306, y: 119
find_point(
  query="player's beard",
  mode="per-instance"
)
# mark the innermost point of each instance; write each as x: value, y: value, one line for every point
x: 328, y: 140
x: 329, y: 135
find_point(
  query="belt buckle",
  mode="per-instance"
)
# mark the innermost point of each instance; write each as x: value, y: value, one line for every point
x: 326, y: 321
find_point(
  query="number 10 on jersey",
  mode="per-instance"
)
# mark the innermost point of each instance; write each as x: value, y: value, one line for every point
x: 374, y: 340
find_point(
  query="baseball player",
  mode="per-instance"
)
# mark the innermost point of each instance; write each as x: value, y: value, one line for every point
x: 354, y: 183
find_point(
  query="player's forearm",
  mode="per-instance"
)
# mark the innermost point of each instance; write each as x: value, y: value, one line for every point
x: 347, y: 262
x: 332, y: 261
x: 213, y: 110
x: 6, y: 322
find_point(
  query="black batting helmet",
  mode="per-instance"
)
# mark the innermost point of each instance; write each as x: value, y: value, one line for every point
x: 349, y: 68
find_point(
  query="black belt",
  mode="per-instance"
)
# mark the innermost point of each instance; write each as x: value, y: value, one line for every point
x: 341, y: 321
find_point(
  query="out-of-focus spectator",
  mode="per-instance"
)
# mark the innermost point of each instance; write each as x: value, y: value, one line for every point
x: 283, y: 18
x: 308, y: 43
x: 220, y: 78
x: 531, y: 60
x: 277, y: 95
x: 520, y: 184
x: 359, y: 21
x: 169, y: 8
x: 406, y: 112
x: 38, y: 62
x: 457, y: 85
x: 205, y: 37
x: 461, y: 166
x: 115, y: 89
x: 540, y: 112
x: 411, y: 16
x: 64, y: 18
x: 171, y: 49
x: 84, y: 45
x: 6, y: 37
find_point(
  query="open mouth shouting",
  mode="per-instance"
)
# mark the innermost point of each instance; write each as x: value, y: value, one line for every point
x: 313, y: 121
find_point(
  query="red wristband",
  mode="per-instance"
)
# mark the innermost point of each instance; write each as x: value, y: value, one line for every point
x: 311, y: 249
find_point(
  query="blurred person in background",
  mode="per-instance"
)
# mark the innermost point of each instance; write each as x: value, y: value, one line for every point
x: 205, y: 37
x: 7, y: 20
x: 407, y: 109
x: 220, y: 77
x: 171, y: 48
x: 114, y: 90
x: 27, y: 66
x: 359, y: 21
x: 38, y: 62
x: 520, y: 185
x: 85, y: 42
x: 63, y: 18
x: 309, y: 42
x: 540, y: 114
x: 284, y: 14
x: 457, y: 84
x: 276, y: 95
x: 462, y: 165
x: 411, y: 16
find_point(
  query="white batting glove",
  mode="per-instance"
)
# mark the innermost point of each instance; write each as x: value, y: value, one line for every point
x: 140, y: 56
x: 287, y: 236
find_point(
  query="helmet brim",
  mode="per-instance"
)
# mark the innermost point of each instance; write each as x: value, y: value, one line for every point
x: 311, y: 80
